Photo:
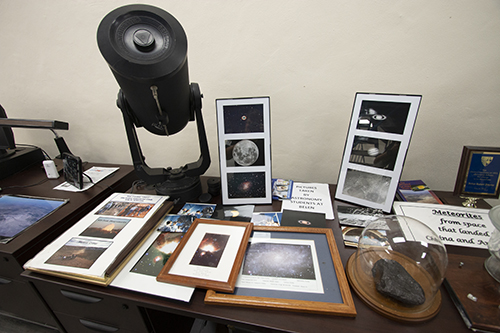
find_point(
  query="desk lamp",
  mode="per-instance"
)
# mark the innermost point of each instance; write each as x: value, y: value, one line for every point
x: 146, y: 50
x: 13, y: 158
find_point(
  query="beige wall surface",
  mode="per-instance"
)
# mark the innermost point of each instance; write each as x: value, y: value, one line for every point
x: 310, y: 57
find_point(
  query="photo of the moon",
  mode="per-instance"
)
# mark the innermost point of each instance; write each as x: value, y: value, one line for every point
x: 246, y: 185
x: 248, y: 152
x: 244, y: 118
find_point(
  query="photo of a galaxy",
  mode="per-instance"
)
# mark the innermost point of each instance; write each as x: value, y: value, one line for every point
x: 105, y: 227
x: 157, y: 255
x: 246, y: 185
x: 249, y: 152
x: 279, y: 260
x: 243, y: 118
x: 210, y: 250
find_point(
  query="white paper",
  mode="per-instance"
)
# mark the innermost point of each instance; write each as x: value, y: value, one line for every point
x: 77, y: 235
x: 454, y: 225
x: 310, y: 197
x: 95, y: 173
x: 147, y: 283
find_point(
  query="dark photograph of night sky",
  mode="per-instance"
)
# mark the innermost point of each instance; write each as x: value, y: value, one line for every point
x: 157, y: 255
x: 210, y: 250
x: 245, y: 152
x: 279, y: 260
x: 246, y: 185
x: 243, y: 119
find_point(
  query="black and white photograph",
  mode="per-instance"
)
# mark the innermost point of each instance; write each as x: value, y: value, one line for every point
x: 383, y: 116
x: 378, y: 153
x: 247, y: 152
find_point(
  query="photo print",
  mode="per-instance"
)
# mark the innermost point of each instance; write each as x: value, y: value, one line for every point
x: 245, y: 150
x: 377, y: 142
x: 157, y: 255
x: 128, y: 209
x: 378, y: 153
x: 176, y: 223
x: 379, y: 116
x: 246, y: 185
x: 79, y: 252
x: 243, y: 118
x: 105, y: 227
x: 210, y: 250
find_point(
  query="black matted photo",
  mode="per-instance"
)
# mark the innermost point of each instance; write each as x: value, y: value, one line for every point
x: 377, y: 142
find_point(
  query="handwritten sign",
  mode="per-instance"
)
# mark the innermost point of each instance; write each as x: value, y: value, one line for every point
x: 459, y: 226
x: 310, y: 197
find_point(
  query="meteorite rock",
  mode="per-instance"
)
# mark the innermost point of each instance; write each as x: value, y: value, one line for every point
x: 392, y: 280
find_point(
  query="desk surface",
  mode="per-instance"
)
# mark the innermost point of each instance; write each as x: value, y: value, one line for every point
x: 448, y: 319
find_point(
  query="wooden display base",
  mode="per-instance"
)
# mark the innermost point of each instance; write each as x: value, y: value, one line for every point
x: 364, y: 287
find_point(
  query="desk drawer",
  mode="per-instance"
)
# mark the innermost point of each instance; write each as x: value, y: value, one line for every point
x: 20, y: 300
x: 92, y: 306
x: 83, y: 324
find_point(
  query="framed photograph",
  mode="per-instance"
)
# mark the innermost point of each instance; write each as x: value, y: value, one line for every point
x: 377, y: 142
x: 291, y: 268
x: 245, y: 150
x: 209, y: 255
x: 479, y: 173
x: 19, y: 212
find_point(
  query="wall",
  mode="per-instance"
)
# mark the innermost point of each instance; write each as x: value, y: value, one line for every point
x: 310, y: 57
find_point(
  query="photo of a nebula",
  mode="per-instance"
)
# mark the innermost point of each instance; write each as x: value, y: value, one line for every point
x: 279, y: 260
x: 243, y: 118
x: 246, y: 185
x: 245, y: 152
x: 210, y: 250
x: 158, y: 254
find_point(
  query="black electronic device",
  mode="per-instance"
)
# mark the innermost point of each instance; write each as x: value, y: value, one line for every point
x: 72, y: 168
x: 146, y: 50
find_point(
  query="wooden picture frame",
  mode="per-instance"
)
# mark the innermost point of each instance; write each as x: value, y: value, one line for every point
x: 479, y: 173
x: 209, y: 255
x: 336, y: 297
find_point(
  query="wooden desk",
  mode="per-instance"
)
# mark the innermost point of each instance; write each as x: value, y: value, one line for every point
x: 77, y: 305
x: 15, y: 293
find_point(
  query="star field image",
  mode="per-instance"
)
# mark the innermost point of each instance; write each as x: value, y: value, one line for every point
x: 279, y: 260
x: 157, y: 255
x: 246, y: 185
x: 243, y: 118
x: 210, y: 250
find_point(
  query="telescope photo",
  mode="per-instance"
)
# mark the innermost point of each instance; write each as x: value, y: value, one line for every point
x: 246, y: 185
x: 210, y: 250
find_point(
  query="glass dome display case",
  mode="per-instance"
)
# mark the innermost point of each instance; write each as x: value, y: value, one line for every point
x: 492, y: 264
x: 398, y: 268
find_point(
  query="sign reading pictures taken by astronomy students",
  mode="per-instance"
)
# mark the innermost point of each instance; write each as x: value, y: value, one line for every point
x: 245, y: 150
